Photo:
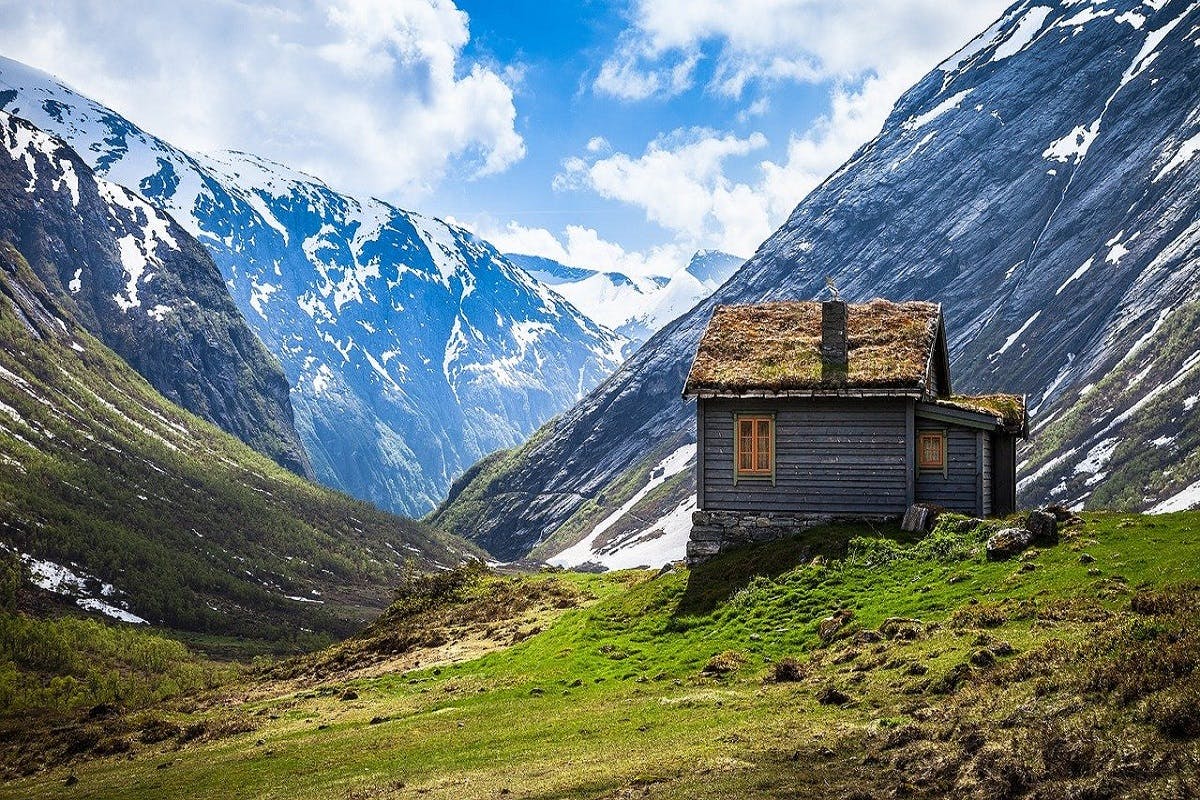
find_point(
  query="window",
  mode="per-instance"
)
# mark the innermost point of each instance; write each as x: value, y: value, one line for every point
x: 931, y: 450
x: 755, y: 446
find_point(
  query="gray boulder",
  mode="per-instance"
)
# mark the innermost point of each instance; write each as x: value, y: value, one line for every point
x: 1008, y: 542
x: 1044, y: 527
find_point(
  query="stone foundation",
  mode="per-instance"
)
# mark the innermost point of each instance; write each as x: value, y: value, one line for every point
x: 715, y: 532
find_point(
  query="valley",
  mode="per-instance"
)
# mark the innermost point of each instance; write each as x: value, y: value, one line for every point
x: 952, y: 674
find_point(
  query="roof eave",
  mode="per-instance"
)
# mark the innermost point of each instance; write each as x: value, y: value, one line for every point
x: 736, y: 394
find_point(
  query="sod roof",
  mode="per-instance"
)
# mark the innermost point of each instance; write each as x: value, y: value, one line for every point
x: 1008, y: 409
x: 775, y: 347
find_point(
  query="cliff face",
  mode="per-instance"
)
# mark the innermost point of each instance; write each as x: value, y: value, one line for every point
x: 1040, y: 184
x: 142, y: 285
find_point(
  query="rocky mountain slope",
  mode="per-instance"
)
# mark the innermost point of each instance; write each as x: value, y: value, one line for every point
x: 635, y: 307
x: 122, y: 503
x: 144, y: 287
x: 413, y: 347
x: 1041, y: 184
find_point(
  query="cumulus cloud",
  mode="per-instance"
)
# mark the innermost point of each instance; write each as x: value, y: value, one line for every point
x: 783, y: 40
x: 373, y: 95
x: 866, y: 53
x: 579, y: 246
x: 679, y: 183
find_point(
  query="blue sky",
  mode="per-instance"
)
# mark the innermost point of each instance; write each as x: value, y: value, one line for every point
x: 614, y: 135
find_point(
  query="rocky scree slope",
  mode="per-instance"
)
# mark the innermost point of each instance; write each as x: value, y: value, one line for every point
x: 122, y: 503
x: 143, y: 286
x: 413, y: 347
x: 1041, y: 184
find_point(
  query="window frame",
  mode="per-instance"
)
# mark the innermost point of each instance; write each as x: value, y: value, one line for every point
x: 754, y: 475
x: 941, y: 467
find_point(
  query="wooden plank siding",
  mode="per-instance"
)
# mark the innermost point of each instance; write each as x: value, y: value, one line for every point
x: 832, y: 457
x: 958, y: 488
x: 986, y: 482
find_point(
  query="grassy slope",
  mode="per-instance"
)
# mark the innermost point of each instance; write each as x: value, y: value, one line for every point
x: 609, y: 699
x: 198, y: 531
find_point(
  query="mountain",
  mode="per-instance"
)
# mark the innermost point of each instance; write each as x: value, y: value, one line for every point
x: 1041, y: 184
x: 144, y: 287
x: 122, y: 503
x: 635, y: 307
x: 413, y: 347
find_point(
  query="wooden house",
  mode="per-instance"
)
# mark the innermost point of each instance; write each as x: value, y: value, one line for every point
x: 808, y: 411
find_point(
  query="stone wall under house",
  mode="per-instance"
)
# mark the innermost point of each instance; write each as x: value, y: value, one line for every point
x: 717, y: 532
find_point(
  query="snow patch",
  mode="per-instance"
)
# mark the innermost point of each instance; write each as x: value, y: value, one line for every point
x: 109, y: 610
x: 1075, y: 275
x: 1187, y: 499
x: 920, y: 120
x: 1187, y: 150
x: 1012, y: 339
x: 586, y: 549
x: 1073, y: 146
x: 1027, y: 28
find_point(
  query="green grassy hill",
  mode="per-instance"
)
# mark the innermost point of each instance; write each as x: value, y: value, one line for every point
x: 1069, y: 672
x: 143, y: 506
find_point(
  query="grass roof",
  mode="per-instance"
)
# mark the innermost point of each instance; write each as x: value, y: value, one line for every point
x: 1008, y: 408
x: 776, y: 347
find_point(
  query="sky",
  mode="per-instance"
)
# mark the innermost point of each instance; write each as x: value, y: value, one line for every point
x: 608, y: 135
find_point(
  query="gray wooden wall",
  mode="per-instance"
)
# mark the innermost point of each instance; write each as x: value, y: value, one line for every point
x: 960, y: 488
x: 841, y: 456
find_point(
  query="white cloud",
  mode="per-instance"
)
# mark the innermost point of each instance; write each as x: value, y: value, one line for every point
x: 866, y: 53
x: 578, y: 246
x: 679, y: 183
x: 783, y: 40
x: 373, y: 95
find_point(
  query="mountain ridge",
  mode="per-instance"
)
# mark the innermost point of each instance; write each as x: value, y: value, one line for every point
x: 413, y: 347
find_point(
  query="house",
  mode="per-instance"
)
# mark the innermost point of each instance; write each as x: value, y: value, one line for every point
x: 808, y: 411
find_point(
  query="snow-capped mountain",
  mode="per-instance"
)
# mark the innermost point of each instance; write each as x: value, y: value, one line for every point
x: 413, y: 347
x: 634, y: 307
x: 1042, y: 183
x: 143, y: 286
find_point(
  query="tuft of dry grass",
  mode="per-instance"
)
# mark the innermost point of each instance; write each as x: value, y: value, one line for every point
x: 776, y: 346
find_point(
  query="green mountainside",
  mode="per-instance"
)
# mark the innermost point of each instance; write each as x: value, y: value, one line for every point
x: 850, y: 662
x: 125, y: 503
x: 1133, y: 436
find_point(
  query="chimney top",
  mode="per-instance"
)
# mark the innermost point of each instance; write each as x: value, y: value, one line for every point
x: 833, y: 333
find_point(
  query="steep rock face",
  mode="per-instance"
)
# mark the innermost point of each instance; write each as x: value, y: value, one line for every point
x: 1040, y: 184
x: 414, y: 348
x: 144, y: 287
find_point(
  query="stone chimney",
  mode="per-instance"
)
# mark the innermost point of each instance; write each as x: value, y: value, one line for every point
x: 833, y: 333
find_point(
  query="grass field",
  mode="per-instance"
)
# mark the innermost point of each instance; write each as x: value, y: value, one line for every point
x: 1070, y: 672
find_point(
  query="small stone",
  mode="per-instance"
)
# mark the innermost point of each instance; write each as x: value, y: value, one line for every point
x: 1087, y: 558
x: 349, y: 694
